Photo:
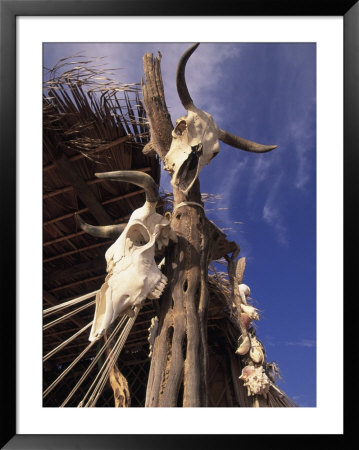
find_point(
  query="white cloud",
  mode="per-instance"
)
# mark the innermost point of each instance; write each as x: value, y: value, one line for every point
x: 273, y: 216
x: 228, y: 187
x: 204, y: 73
x: 310, y: 343
x: 261, y: 171
x: 204, y: 70
x: 302, y: 135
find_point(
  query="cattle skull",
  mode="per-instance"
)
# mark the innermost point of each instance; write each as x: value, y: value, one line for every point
x: 195, y: 138
x: 132, y: 273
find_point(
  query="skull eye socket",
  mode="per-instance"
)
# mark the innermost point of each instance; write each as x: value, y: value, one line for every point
x: 138, y: 235
x: 180, y: 128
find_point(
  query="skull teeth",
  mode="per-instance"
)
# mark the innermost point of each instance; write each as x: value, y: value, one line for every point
x: 158, y: 289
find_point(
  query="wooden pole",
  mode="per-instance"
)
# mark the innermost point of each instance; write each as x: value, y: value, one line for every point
x: 180, y: 349
x: 180, y: 355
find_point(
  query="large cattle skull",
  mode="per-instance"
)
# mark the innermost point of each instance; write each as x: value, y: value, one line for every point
x: 133, y: 274
x: 194, y: 144
x: 195, y: 139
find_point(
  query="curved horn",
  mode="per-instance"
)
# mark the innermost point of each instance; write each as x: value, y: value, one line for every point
x: 135, y: 177
x: 181, y: 80
x: 108, y: 231
x: 244, y: 144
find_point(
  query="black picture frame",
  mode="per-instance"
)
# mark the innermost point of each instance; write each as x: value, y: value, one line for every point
x: 9, y: 10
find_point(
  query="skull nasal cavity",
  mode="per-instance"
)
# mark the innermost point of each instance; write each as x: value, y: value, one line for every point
x: 138, y: 235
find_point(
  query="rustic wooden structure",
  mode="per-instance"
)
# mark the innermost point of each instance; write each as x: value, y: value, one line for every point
x: 193, y: 361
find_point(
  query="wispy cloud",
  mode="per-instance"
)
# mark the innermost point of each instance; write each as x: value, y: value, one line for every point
x: 225, y: 177
x: 306, y: 343
x: 301, y: 114
x: 303, y: 135
x: 263, y: 170
x: 272, y: 214
x: 204, y: 73
x: 310, y: 343
x: 228, y: 187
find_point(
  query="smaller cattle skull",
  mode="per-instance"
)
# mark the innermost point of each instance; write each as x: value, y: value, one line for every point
x: 195, y: 139
x: 132, y: 272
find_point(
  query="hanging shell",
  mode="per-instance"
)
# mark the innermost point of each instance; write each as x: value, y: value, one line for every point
x: 256, y: 352
x: 246, y: 320
x: 244, y: 346
x: 251, y: 311
x: 255, y: 380
x: 244, y: 292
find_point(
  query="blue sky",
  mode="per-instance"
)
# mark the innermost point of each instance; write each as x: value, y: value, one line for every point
x: 266, y: 93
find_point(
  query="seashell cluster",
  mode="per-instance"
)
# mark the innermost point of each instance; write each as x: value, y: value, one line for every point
x: 254, y: 374
x: 255, y: 380
x: 248, y: 342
